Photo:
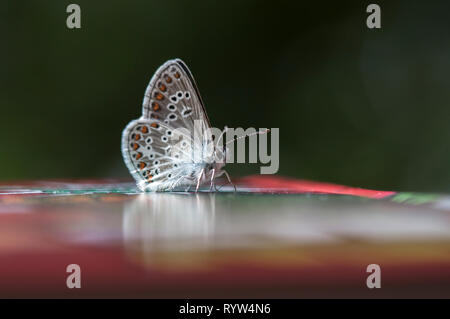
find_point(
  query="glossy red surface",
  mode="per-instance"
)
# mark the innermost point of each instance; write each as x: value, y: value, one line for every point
x: 274, y: 238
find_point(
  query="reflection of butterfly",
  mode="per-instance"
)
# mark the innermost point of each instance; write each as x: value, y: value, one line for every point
x: 157, y: 160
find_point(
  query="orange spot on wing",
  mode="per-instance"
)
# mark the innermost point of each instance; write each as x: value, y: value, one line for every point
x: 159, y: 96
x: 155, y: 106
x: 177, y: 75
x: 135, y: 146
x: 168, y: 79
x: 144, y: 129
x: 154, y: 125
x: 142, y: 165
x: 137, y: 137
x: 163, y: 88
x: 138, y: 155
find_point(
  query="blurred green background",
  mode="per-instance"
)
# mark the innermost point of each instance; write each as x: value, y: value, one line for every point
x: 354, y: 106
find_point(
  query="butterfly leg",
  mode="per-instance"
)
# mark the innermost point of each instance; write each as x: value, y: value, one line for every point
x: 212, y: 179
x: 215, y: 186
x: 198, y: 180
x: 229, y: 179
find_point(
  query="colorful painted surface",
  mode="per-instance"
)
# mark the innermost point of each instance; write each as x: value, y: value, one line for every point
x: 274, y: 238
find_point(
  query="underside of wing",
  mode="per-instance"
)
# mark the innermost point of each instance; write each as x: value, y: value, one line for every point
x: 158, y: 148
x: 172, y: 97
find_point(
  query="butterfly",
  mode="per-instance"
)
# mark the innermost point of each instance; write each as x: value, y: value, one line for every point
x: 160, y: 148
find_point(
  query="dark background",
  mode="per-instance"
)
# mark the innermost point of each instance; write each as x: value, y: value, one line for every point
x: 354, y: 106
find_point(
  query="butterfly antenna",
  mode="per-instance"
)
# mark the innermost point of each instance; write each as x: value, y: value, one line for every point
x: 247, y: 135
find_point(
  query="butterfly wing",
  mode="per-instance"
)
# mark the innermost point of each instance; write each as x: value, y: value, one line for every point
x: 172, y: 90
x: 155, y: 152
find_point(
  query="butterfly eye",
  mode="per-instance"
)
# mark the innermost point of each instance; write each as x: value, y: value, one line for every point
x: 169, y: 175
x: 175, y: 165
x: 171, y: 107
x: 187, y: 95
x: 149, y: 140
x: 164, y: 139
x: 151, y: 156
x: 180, y: 94
x: 169, y: 133
x: 156, y: 162
x: 173, y: 98
x: 172, y: 117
